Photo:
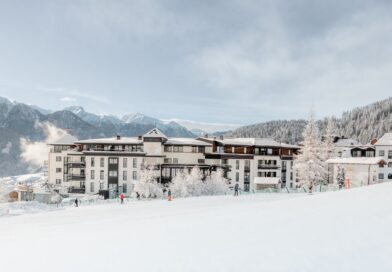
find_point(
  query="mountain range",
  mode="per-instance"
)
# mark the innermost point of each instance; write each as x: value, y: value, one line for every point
x: 20, y: 121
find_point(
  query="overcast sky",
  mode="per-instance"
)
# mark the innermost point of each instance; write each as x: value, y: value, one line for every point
x: 223, y: 61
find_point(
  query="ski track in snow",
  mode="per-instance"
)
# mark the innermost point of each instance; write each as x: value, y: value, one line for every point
x: 337, y: 231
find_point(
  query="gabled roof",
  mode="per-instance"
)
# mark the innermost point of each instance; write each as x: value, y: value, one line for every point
x: 356, y: 160
x: 64, y: 140
x: 155, y: 133
x: 385, y: 140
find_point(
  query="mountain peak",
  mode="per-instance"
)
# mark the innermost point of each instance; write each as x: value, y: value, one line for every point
x: 75, y: 109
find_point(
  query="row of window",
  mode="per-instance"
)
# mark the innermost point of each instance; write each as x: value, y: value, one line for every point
x: 389, y: 165
x: 381, y: 176
x: 101, y: 187
x: 114, y: 161
x: 113, y: 174
x: 381, y: 153
x: 179, y: 148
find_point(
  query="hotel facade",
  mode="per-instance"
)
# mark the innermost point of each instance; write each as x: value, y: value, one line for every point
x: 100, y: 166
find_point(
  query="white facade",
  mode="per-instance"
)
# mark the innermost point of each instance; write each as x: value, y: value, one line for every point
x: 384, y: 150
x: 359, y: 171
x: 97, y: 165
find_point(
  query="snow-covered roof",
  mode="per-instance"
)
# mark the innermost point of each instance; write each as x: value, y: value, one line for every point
x: 113, y: 140
x: 266, y: 180
x: 385, y: 140
x: 155, y: 133
x: 64, y: 140
x: 185, y: 141
x: 255, y: 142
x: 347, y: 142
x: 356, y: 160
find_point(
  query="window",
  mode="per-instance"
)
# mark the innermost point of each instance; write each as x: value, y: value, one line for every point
x: 390, y: 164
x: 381, y: 153
x: 201, y: 161
x: 175, y: 160
x: 390, y: 154
x: 124, y: 175
x: 92, y: 161
x: 369, y: 153
x: 113, y: 173
x: 201, y: 149
x: 113, y: 161
x: 224, y: 161
x: 194, y: 149
x: 380, y: 176
x: 237, y: 177
x: 237, y: 164
x: 101, y: 175
x: 134, y: 175
x: 58, y: 170
x: 125, y: 162
x: 58, y: 158
x: 58, y: 181
x: 247, y: 164
x: 167, y: 160
x: 92, y: 174
x: 177, y: 148
x: 134, y: 163
x: 168, y: 148
x: 125, y: 189
x: 102, y: 163
x: 92, y: 187
x: 101, y: 186
x: 390, y: 176
x: 291, y: 175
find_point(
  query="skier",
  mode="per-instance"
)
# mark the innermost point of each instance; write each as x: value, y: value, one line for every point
x: 169, y: 195
x: 236, y: 188
x: 122, y: 198
x: 311, y: 187
x: 137, y: 195
x: 76, y: 202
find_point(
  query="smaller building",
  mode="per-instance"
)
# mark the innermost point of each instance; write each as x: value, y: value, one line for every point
x: 360, y: 171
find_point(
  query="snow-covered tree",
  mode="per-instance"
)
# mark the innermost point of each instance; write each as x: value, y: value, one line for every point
x: 216, y: 184
x: 328, y: 145
x: 309, y: 163
x: 147, y: 186
x: 179, y: 186
x: 186, y: 183
x: 4, y: 191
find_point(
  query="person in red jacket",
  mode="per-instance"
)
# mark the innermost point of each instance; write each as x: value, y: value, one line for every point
x: 122, y: 198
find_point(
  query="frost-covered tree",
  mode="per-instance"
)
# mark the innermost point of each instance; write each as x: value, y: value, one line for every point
x: 4, y: 191
x: 309, y: 163
x: 328, y: 145
x: 186, y: 184
x: 147, y: 186
x: 216, y: 184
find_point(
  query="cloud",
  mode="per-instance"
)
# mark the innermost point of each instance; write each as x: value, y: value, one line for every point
x: 67, y: 99
x: 7, y: 148
x: 35, y: 153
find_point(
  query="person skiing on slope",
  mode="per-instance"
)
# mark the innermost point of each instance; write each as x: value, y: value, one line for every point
x: 122, y: 198
x: 76, y: 202
x: 311, y: 187
x: 236, y: 188
x: 169, y: 195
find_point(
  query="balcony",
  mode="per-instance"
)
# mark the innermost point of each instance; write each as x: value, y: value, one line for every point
x: 267, y: 166
x: 75, y: 177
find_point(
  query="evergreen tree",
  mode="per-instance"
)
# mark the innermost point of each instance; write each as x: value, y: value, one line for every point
x: 309, y: 163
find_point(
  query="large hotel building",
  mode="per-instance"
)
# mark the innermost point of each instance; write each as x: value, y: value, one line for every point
x: 98, y: 166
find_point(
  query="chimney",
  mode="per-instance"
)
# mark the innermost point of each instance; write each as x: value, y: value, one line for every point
x: 139, y: 137
x: 206, y: 135
x: 221, y: 137
x: 374, y: 141
x: 118, y: 137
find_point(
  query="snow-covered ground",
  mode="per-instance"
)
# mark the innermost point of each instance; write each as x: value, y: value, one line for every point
x: 337, y: 231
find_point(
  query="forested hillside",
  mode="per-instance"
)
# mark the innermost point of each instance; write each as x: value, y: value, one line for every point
x: 362, y: 124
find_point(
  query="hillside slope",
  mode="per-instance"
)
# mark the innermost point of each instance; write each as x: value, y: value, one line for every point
x: 338, y: 231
